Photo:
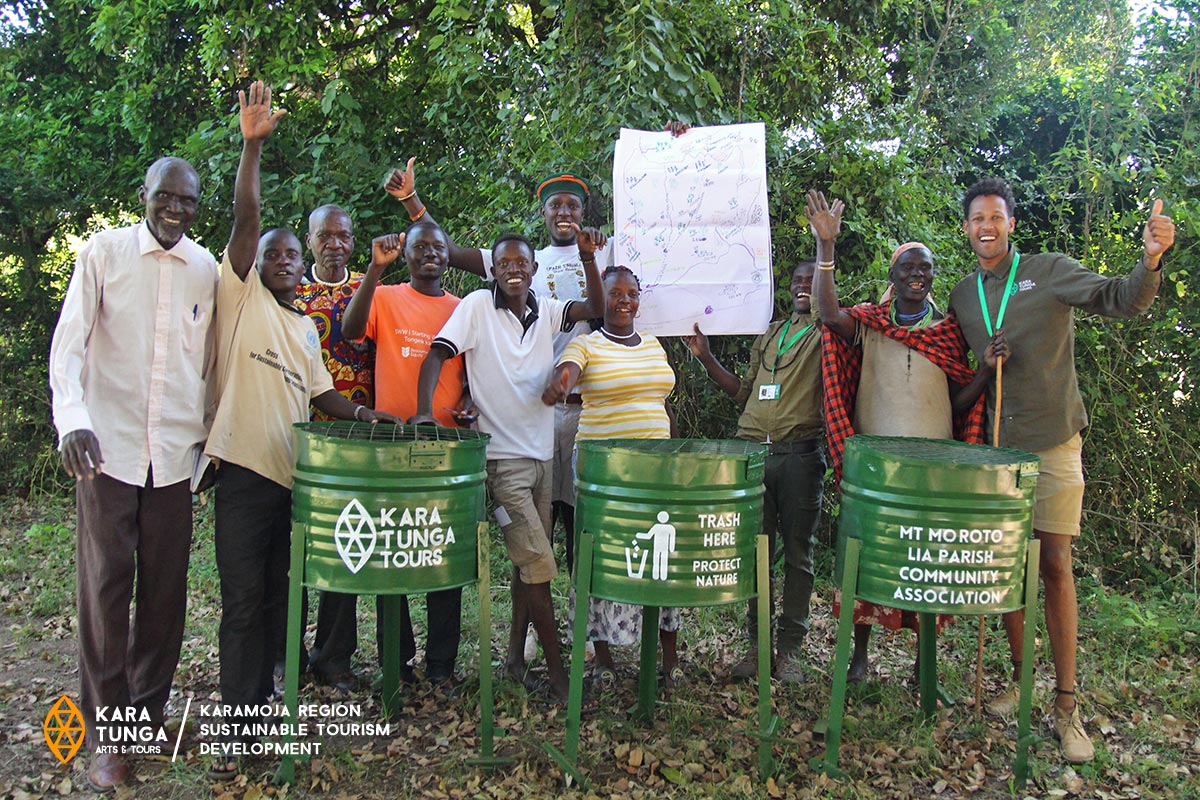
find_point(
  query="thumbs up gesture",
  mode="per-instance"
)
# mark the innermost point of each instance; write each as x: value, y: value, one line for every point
x: 1158, y: 236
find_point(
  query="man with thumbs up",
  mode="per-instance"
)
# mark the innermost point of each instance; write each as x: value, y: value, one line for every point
x: 505, y: 333
x: 1033, y: 297
x: 402, y: 320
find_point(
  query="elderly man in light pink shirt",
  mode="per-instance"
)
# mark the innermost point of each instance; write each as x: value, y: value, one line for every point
x: 129, y: 371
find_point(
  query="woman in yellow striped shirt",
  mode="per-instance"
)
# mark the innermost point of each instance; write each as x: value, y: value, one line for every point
x: 624, y: 379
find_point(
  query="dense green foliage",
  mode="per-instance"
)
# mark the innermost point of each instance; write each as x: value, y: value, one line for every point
x: 893, y: 105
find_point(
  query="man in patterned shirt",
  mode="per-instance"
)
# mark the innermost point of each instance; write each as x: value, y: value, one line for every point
x: 324, y: 296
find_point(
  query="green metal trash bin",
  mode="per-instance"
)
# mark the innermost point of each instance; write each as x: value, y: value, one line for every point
x: 935, y: 527
x: 943, y: 524
x: 388, y: 509
x: 675, y: 520
x: 669, y: 522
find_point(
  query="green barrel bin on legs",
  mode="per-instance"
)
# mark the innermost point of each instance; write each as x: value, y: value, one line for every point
x: 388, y: 510
x: 668, y: 522
x: 936, y: 527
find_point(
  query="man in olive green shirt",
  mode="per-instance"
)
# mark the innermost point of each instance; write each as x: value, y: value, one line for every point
x: 1033, y: 297
x: 781, y: 391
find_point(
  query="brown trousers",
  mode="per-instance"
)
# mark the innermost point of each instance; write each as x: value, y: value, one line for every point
x: 132, y: 543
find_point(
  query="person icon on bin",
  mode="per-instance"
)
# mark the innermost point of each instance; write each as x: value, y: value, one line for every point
x: 662, y: 536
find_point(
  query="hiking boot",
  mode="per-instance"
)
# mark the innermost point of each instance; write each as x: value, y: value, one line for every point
x: 747, y: 668
x: 1006, y: 703
x: 1068, y: 729
x: 789, y: 668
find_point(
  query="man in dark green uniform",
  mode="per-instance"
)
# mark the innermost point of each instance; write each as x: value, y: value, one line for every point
x: 1033, y: 297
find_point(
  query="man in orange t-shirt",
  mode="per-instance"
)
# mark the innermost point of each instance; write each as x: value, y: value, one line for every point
x: 402, y: 321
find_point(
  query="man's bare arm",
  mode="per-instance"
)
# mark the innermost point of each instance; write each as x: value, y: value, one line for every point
x: 257, y: 121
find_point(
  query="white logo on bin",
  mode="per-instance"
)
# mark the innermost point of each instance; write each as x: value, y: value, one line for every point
x: 355, y: 536
x: 662, y: 536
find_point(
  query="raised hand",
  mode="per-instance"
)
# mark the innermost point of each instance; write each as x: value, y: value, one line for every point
x: 589, y: 240
x: 698, y: 344
x: 255, y: 115
x: 385, y: 249
x: 677, y: 128
x: 402, y: 183
x: 824, y: 219
x: 1159, y: 234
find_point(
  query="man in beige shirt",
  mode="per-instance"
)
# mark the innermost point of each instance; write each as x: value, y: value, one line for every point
x: 128, y: 370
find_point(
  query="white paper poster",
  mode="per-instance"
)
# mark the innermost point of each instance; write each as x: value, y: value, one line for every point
x: 691, y: 221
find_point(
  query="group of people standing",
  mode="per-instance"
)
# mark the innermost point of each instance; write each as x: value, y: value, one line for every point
x: 165, y: 360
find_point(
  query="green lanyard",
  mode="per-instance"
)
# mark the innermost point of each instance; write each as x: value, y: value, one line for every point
x: 983, y: 306
x: 782, y: 348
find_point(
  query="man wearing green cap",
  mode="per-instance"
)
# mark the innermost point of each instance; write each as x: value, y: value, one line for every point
x: 563, y: 198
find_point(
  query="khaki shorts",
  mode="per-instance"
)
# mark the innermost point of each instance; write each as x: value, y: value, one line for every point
x: 566, y: 425
x: 1059, y: 498
x: 520, y: 490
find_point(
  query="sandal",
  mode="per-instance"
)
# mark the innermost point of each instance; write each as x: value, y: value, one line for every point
x: 674, y: 678
x: 604, y: 679
x: 224, y: 768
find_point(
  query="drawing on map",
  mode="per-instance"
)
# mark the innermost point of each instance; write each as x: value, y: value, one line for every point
x: 691, y: 221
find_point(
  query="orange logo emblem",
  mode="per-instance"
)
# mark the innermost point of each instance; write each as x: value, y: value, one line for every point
x: 63, y: 729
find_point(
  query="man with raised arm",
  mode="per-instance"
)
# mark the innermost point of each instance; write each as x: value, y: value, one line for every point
x: 1032, y: 299
x: 269, y: 369
x: 505, y: 333
x: 129, y: 366
x: 563, y: 198
x: 402, y: 320
x: 781, y: 395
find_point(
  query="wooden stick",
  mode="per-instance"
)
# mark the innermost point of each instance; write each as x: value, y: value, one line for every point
x: 995, y: 443
x: 999, y: 399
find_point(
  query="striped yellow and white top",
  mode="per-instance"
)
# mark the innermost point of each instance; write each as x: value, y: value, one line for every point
x: 624, y: 388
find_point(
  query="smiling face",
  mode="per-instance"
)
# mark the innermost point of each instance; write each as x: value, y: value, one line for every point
x: 622, y: 297
x: 912, y: 276
x: 987, y: 226
x: 171, y: 193
x: 280, y: 263
x: 801, y: 288
x: 331, y: 239
x: 558, y: 212
x: 513, y: 267
x: 427, y: 253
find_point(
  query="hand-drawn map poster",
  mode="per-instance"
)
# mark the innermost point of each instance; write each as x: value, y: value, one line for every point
x: 691, y: 221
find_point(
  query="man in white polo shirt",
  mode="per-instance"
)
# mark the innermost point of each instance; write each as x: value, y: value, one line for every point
x: 505, y: 333
x: 563, y: 200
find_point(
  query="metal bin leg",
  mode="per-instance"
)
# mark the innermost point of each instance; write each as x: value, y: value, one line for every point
x: 837, y: 700
x: 768, y: 723
x: 569, y: 762
x: 295, y: 639
x: 1024, y: 709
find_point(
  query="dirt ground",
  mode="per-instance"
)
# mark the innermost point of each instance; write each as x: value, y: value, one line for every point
x: 701, y: 744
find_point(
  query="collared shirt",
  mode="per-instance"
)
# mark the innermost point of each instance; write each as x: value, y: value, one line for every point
x: 509, y: 361
x: 1041, y: 406
x: 796, y: 413
x: 269, y: 367
x: 130, y: 355
x: 560, y: 275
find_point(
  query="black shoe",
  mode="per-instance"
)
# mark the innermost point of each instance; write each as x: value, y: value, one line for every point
x: 440, y: 676
x: 344, y: 681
